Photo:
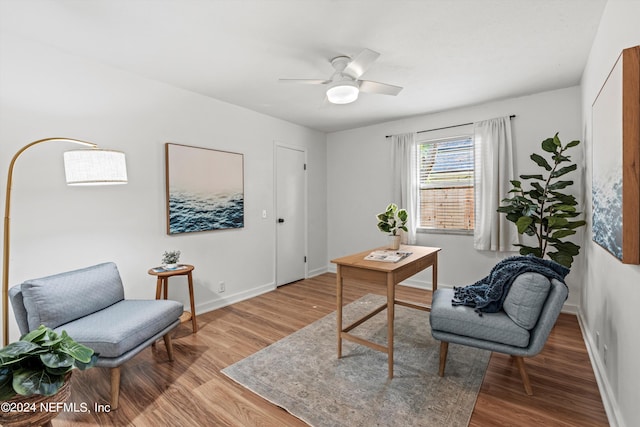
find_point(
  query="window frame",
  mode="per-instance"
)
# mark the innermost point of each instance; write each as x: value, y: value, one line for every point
x: 443, y: 138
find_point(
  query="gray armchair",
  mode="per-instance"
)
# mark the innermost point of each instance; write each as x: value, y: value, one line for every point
x: 520, y: 329
x: 89, y: 304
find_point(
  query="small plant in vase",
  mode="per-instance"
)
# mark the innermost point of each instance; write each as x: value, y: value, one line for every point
x: 391, y: 221
x: 170, y: 259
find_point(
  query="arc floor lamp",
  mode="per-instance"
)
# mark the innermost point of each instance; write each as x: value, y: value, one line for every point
x: 92, y: 166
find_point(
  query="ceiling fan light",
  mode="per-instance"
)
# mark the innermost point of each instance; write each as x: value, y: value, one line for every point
x: 343, y: 92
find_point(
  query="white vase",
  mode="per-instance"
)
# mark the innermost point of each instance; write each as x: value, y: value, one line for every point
x: 394, y: 241
x: 170, y: 266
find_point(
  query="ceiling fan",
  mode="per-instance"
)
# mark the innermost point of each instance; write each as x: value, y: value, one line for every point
x: 345, y: 84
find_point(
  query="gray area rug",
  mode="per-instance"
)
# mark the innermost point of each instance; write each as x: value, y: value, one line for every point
x: 302, y: 374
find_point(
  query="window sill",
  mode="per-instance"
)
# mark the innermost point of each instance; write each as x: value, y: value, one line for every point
x: 444, y: 231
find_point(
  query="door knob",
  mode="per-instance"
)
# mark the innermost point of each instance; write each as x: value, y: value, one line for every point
x: 280, y: 220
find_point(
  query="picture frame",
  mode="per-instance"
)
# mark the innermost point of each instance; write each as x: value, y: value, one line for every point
x: 204, y: 189
x: 616, y: 160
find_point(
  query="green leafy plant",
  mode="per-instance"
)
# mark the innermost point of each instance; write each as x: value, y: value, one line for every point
x: 543, y: 211
x: 39, y: 362
x: 392, y: 220
x: 170, y: 257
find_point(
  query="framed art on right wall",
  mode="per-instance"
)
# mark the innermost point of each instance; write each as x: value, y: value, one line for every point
x: 616, y: 160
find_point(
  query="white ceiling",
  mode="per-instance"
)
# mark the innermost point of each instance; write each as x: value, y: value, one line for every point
x: 445, y: 53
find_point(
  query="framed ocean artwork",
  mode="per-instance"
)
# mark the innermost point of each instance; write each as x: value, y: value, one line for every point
x: 204, y: 189
x: 616, y: 160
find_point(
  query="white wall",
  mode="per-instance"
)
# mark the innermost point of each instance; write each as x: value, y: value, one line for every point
x: 610, y: 300
x: 359, y: 168
x: 45, y: 93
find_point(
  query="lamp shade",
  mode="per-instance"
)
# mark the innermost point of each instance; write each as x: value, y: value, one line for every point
x: 343, y: 92
x: 95, y: 167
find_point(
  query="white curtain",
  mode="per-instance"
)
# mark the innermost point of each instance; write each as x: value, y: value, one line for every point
x: 493, y: 171
x: 405, y: 180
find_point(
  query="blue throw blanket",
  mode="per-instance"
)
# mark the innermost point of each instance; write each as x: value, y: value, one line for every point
x: 488, y: 294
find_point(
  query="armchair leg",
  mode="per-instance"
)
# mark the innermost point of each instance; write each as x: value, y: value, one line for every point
x: 444, y: 348
x: 523, y: 374
x: 169, y: 345
x: 115, y: 387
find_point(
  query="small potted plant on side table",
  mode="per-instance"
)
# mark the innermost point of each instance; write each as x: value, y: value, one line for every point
x: 36, y: 371
x: 391, y: 221
x: 170, y: 259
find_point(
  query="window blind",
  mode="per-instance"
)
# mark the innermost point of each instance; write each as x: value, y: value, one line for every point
x: 446, y: 183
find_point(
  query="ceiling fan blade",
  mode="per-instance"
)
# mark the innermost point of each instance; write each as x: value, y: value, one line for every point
x: 361, y: 63
x: 305, y: 81
x: 380, y: 88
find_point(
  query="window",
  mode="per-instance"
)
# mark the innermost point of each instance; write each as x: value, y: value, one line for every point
x: 445, y: 200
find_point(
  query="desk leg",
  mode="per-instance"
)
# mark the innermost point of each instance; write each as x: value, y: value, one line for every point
x: 193, y: 307
x: 391, y: 297
x: 339, y: 309
x: 159, y: 288
x: 434, y: 273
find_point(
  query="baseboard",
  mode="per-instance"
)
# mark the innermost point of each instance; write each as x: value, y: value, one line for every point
x: 426, y: 285
x: 608, y: 400
x: 421, y: 284
x: 317, y: 271
x: 570, y: 309
x: 234, y: 298
x: 241, y: 296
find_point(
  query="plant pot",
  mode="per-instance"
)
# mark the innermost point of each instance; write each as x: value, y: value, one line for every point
x: 19, y: 416
x: 394, y: 242
x: 170, y: 266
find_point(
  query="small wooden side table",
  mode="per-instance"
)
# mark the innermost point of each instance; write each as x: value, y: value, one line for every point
x: 162, y: 285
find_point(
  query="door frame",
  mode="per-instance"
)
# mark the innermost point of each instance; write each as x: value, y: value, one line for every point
x: 276, y: 145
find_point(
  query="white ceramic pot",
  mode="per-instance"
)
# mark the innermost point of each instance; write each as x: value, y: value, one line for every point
x: 394, y: 241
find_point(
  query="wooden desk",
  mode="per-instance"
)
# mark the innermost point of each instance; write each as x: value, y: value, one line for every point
x: 387, y: 274
x: 163, y: 282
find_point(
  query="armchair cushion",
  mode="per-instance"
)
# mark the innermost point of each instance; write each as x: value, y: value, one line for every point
x: 123, y: 326
x: 55, y: 300
x: 463, y: 320
x: 525, y: 299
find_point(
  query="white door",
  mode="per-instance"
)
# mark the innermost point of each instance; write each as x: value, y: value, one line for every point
x: 290, y: 215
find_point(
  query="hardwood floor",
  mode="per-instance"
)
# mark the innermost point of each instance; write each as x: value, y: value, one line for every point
x: 191, y: 391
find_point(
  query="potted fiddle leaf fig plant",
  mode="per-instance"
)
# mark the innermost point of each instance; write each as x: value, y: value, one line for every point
x: 391, y: 221
x: 543, y: 211
x: 37, y: 369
